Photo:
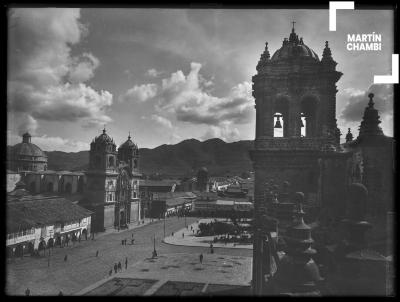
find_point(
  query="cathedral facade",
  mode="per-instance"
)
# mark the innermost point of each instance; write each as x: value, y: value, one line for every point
x: 112, y: 189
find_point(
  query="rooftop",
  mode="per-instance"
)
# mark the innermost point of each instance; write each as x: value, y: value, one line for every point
x: 39, y: 211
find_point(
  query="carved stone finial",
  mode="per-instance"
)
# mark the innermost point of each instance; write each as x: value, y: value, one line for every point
x: 327, y: 54
x: 349, y: 136
x: 371, y: 101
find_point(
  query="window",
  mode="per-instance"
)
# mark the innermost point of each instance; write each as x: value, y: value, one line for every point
x: 111, y: 161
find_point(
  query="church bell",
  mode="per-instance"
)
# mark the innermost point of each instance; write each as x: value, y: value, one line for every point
x: 278, y: 123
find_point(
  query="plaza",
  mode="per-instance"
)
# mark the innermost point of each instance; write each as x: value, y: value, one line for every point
x: 83, y: 269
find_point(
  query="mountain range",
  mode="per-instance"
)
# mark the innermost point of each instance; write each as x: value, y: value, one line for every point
x: 182, y: 159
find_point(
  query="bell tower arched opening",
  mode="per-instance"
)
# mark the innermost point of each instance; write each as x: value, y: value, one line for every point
x: 308, y: 116
x: 303, y: 124
x: 281, y: 117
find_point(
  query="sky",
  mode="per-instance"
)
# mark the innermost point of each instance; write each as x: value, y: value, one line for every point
x: 165, y: 75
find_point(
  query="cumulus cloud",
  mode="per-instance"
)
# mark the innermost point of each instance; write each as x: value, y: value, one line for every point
x: 46, y: 82
x: 225, y: 131
x: 51, y: 143
x: 186, y: 98
x: 153, y: 73
x: 161, y: 120
x: 27, y: 124
x: 139, y: 93
x: 82, y: 68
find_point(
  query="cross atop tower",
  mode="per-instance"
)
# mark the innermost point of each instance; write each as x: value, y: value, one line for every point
x: 293, y: 22
x: 104, y: 130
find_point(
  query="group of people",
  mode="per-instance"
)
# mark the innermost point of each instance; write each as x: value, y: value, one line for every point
x: 118, y: 267
x: 123, y: 241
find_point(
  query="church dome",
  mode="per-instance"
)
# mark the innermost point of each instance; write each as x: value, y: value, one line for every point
x: 294, y: 48
x: 129, y: 144
x: 104, y: 138
x: 28, y: 149
x: 27, y: 156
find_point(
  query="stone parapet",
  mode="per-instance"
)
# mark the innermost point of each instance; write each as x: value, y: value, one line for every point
x: 291, y: 143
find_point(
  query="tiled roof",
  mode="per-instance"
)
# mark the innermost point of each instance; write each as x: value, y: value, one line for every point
x: 157, y: 183
x: 56, y: 172
x: 36, y: 212
x: 167, y: 195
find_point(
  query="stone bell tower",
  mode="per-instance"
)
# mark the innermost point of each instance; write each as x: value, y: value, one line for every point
x: 101, y: 182
x: 295, y: 92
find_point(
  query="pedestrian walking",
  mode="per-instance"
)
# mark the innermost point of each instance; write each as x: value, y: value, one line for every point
x: 172, y: 233
x: 115, y: 267
x: 27, y: 292
x: 183, y: 235
x: 110, y: 272
x: 65, y: 258
x: 119, y: 266
x: 126, y: 263
x: 122, y: 242
x: 133, y: 241
x: 97, y: 253
x: 212, y: 251
x: 201, y: 258
x: 132, y: 235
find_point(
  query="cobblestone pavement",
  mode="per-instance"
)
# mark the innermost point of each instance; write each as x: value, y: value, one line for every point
x: 189, y: 238
x: 178, y: 273
x: 83, y: 268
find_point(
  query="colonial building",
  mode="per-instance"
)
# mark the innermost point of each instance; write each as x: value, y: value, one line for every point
x: 112, y: 191
x: 37, y: 222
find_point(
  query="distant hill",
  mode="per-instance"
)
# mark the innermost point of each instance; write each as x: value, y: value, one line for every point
x: 184, y: 158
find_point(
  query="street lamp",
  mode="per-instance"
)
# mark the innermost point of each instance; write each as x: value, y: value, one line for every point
x: 154, y: 250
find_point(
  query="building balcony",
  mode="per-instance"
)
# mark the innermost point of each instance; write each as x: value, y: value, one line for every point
x: 19, y: 239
